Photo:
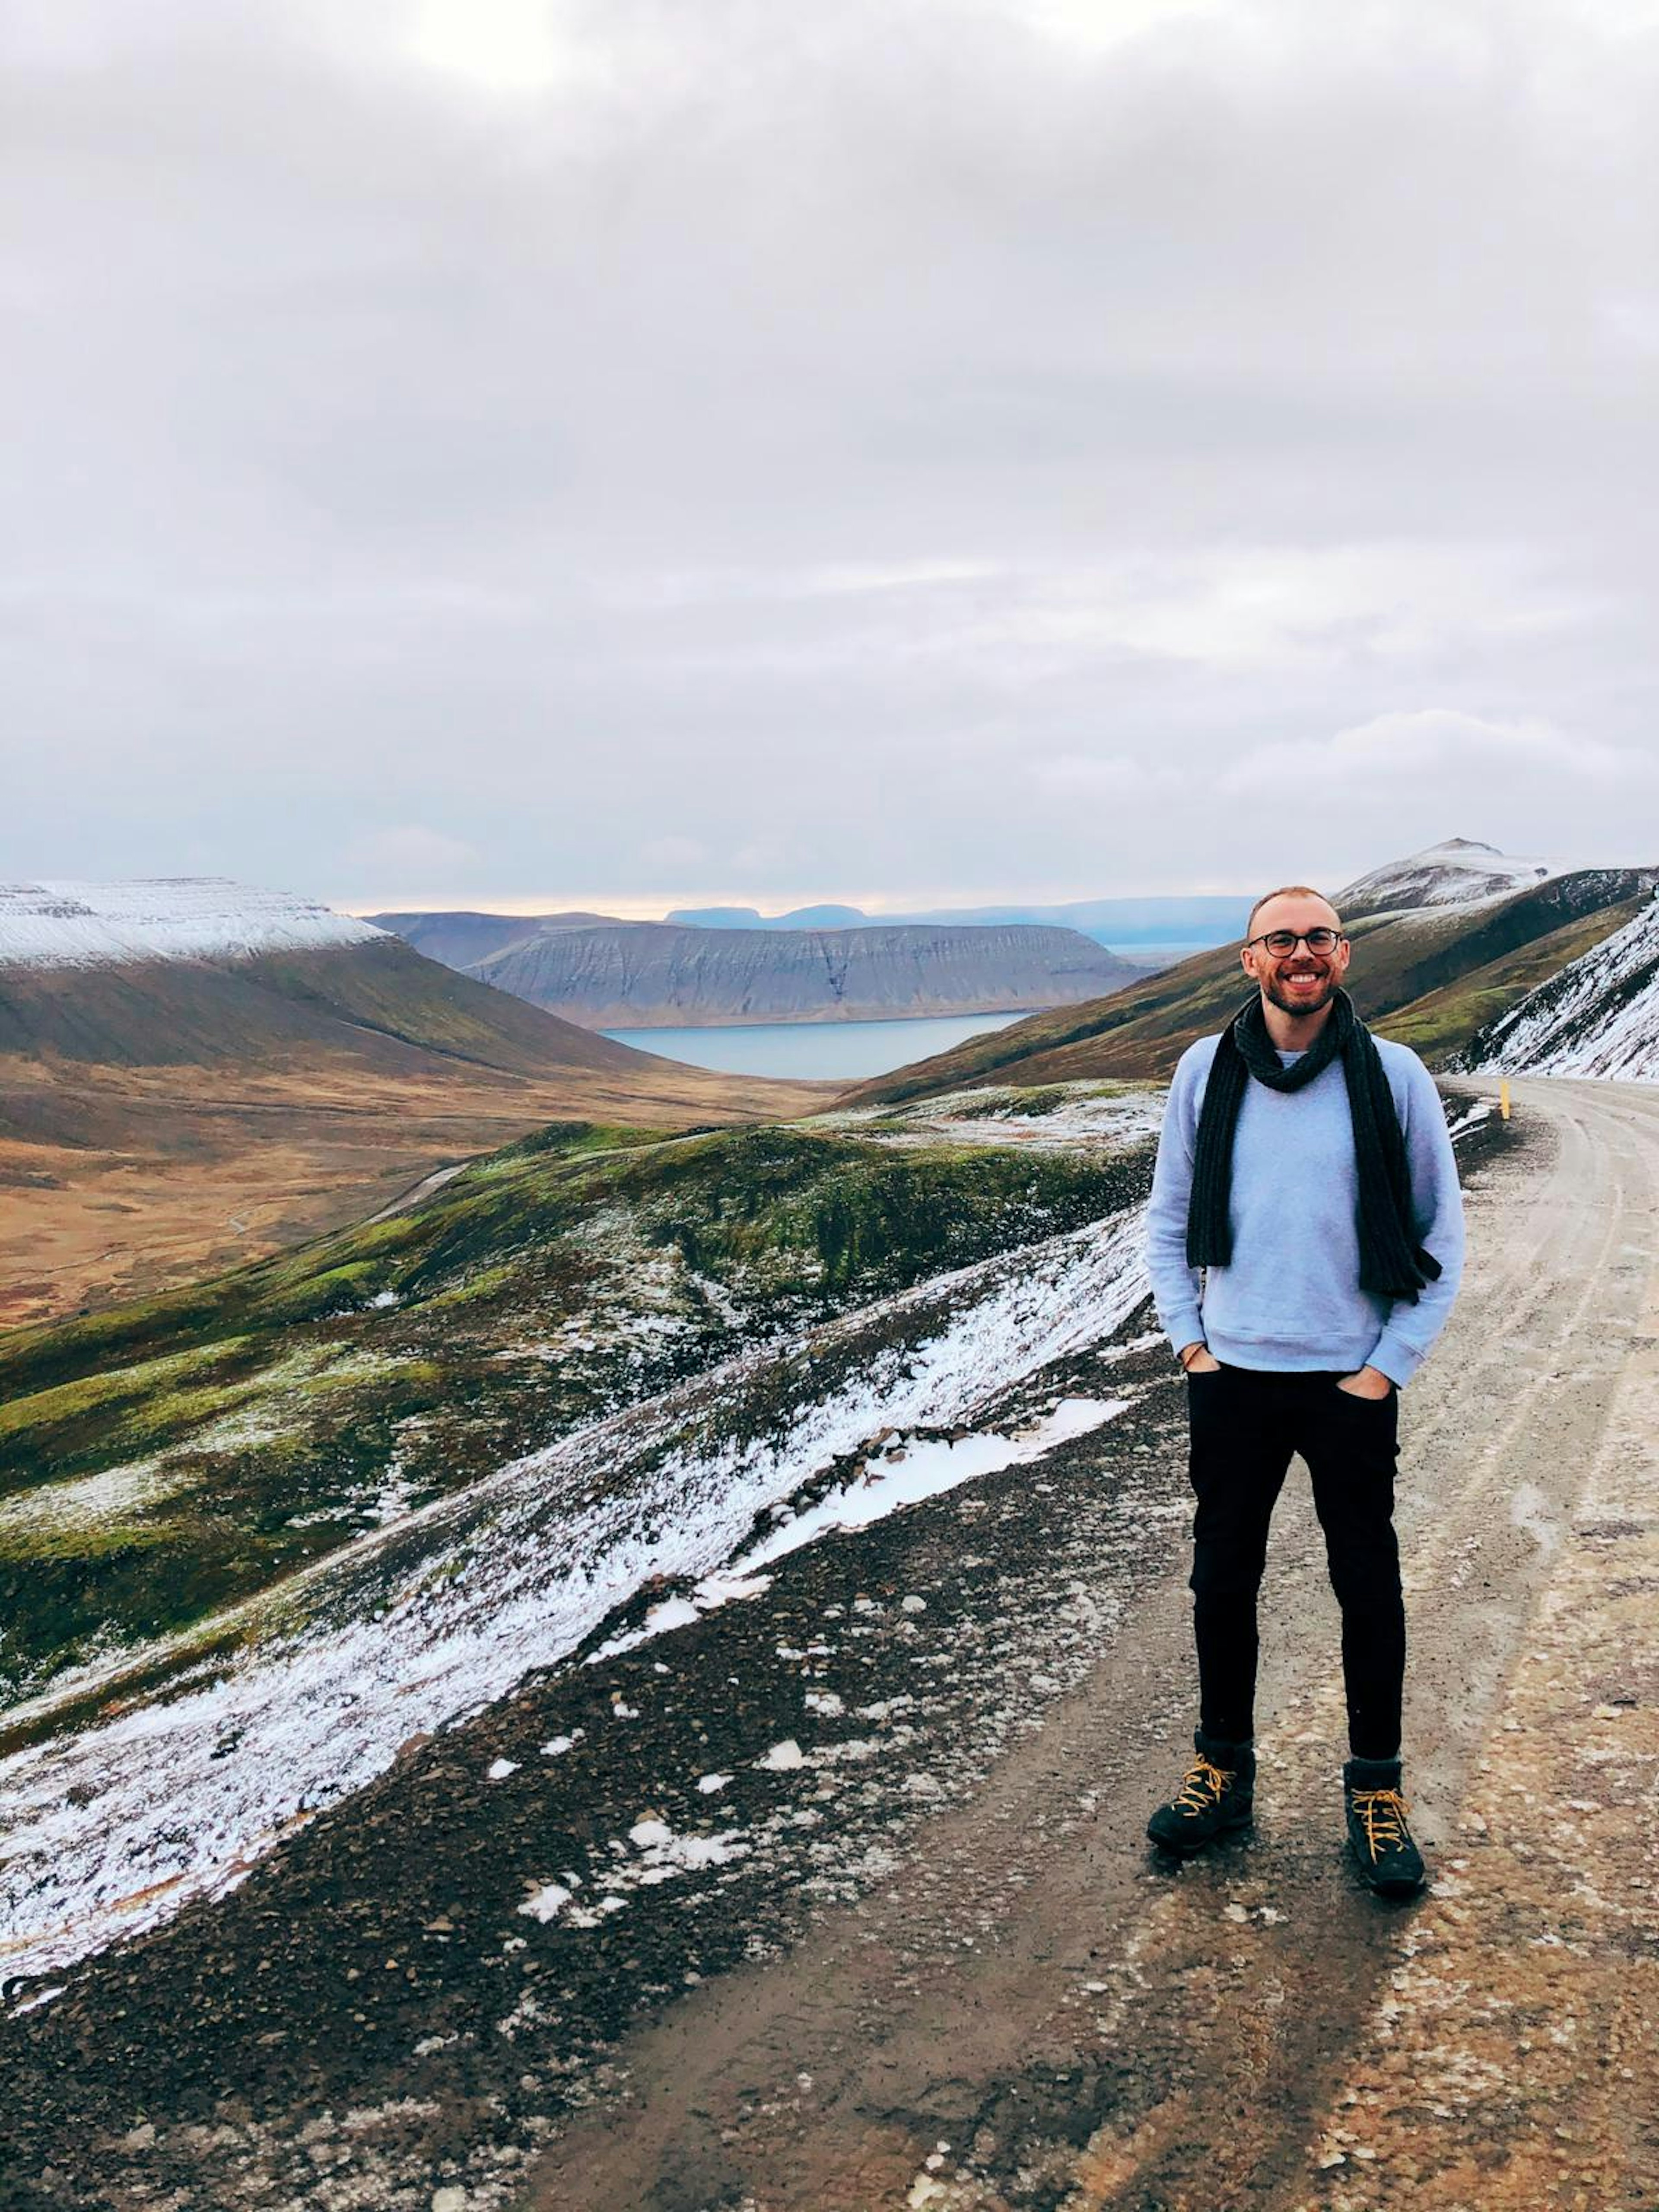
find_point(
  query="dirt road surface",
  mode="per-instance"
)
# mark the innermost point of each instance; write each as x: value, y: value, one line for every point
x: 942, y: 1971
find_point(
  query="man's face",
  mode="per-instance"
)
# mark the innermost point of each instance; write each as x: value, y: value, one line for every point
x: 1298, y: 981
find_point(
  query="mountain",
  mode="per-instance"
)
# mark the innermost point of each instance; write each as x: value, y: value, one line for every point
x: 1194, y: 922
x: 211, y: 974
x: 1431, y: 976
x: 462, y: 940
x: 191, y: 1071
x: 655, y: 975
x: 799, y: 917
x: 1199, y: 920
x: 1451, y: 874
x: 1598, y: 1015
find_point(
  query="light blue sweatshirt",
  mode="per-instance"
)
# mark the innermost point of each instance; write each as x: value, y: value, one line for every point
x: 1291, y: 1298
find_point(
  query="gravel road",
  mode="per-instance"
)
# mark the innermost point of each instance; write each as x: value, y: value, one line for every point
x: 1256, y: 2029
x: 933, y: 1963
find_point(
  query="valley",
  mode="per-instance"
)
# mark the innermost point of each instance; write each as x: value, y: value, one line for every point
x: 829, y: 1890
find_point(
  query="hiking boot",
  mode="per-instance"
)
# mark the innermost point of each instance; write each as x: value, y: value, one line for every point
x: 1217, y: 1793
x: 1381, y: 1844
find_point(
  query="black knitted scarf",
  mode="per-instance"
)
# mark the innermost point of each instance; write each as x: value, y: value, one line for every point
x: 1391, y: 1260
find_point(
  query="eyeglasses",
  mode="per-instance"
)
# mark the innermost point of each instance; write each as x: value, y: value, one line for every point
x: 1282, y: 941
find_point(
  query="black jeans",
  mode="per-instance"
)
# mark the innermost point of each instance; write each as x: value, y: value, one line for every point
x: 1246, y: 1425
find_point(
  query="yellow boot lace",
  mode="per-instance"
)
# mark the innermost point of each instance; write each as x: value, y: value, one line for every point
x: 1384, y: 1813
x: 1204, y: 1787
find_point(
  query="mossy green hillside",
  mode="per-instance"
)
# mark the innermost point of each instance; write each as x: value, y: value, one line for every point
x: 292, y: 1405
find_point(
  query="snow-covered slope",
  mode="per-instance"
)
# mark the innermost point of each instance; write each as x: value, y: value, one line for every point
x: 82, y: 925
x: 1600, y: 1016
x: 1451, y: 874
x: 176, y: 1791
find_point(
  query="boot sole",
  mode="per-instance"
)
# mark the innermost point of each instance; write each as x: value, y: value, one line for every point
x: 1230, y: 1826
x: 1396, y: 1886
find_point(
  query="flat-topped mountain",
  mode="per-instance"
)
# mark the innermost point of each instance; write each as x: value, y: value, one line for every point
x: 195, y: 1072
x: 86, y: 925
x: 652, y: 974
x: 209, y: 973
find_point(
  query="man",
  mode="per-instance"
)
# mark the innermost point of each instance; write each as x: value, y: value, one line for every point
x: 1305, y: 1245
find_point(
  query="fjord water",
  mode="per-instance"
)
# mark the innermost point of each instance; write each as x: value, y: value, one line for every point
x: 811, y: 1050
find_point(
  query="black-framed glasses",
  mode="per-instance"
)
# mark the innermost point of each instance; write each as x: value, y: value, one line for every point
x: 1279, y: 942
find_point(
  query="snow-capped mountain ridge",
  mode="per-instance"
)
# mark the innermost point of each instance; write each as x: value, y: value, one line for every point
x: 1455, y: 873
x: 1599, y: 1016
x: 65, y: 924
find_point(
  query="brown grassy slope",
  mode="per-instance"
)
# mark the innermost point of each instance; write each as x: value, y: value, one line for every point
x: 160, y: 1123
x: 1429, y: 975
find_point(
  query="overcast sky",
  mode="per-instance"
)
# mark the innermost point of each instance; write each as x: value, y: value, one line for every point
x: 523, y: 451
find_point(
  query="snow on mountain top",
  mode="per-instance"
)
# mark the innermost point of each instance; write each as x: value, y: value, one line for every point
x: 1599, y: 1016
x: 79, y: 925
x: 1457, y: 872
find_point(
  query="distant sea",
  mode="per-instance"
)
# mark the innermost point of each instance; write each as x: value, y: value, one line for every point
x: 849, y: 1050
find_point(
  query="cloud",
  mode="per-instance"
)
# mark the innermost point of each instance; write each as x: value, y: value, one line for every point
x: 1108, y: 777
x: 981, y: 445
x: 410, y: 850
x: 671, y: 856
x: 1461, y: 751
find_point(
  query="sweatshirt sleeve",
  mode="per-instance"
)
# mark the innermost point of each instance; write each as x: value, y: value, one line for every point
x: 1410, y: 1330
x: 1174, y: 1284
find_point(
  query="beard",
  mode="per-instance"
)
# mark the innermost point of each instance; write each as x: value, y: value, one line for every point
x: 1311, y: 1003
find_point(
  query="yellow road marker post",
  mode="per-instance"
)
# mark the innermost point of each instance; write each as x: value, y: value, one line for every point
x: 1503, y: 1098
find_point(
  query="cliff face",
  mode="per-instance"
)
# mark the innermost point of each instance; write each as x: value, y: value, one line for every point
x: 655, y: 975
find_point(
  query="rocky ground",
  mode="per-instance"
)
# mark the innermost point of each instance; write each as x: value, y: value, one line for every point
x: 837, y: 1897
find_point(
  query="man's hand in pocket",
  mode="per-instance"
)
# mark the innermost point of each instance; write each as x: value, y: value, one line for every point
x: 1369, y: 1382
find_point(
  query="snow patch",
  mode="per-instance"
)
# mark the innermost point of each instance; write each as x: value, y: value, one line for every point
x: 783, y: 1758
x: 546, y: 1903
x: 910, y: 1470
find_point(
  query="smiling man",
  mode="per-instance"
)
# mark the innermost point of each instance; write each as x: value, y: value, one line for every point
x: 1305, y: 1244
